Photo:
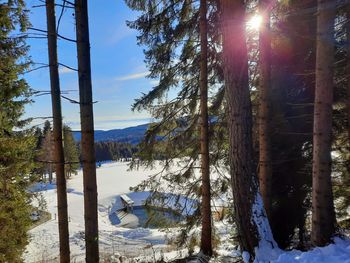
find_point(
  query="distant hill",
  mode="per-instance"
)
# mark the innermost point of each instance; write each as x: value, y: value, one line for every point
x: 131, y: 135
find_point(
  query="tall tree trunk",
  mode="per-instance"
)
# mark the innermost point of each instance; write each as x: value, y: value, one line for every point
x: 265, y: 163
x: 87, y: 132
x: 206, y: 244
x: 57, y: 134
x: 252, y: 224
x: 323, y: 215
x: 348, y: 68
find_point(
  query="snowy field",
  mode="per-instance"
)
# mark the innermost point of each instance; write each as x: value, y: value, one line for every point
x: 144, y: 245
x: 112, y: 179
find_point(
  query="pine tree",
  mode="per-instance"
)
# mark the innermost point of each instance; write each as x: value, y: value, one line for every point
x: 87, y: 131
x: 276, y: 76
x: 47, y: 127
x: 171, y: 35
x: 71, y: 155
x: 347, y: 33
x: 106, y: 151
x: 45, y: 154
x: 341, y: 116
x: 38, y: 134
x: 265, y: 162
x: 16, y: 144
x: 250, y: 217
x: 323, y: 216
x: 58, y: 154
x: 291, y: 98
x: 206, y: 234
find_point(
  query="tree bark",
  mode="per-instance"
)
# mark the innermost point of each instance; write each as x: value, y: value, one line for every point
x: 87, y: 132
x: 62, y: 207
x: 265, y: 163
x: 348, y: 68
x: 323, y: 215
x: 250, y: 217
x: 206, y: 244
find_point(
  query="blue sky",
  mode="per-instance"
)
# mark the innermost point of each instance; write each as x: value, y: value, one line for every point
x: 118, y: 70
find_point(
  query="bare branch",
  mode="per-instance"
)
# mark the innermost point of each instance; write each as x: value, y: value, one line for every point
x: 34, y: 69
x: 58, y: 35
x: 64, y: 65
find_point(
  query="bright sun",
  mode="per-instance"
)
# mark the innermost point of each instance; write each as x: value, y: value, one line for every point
x: 254, y: 22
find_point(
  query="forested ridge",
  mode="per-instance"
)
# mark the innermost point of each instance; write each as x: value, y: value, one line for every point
x: 105, y: 150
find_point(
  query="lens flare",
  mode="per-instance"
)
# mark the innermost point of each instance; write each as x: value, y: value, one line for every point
x: 255, y: 22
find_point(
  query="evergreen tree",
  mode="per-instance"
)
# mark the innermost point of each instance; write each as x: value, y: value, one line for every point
x: 106, y: 151
x: 16, y: 146
x: 250, y: 217
x: 39, y: 135
x: 265, y: 162
x: 87, y: 131
x: 291, y: 98
x: 45, y: 155
x: 71, y: 154
x: 206, y: 234
x: 58, y: 153
x: 40, y: 167
x: 341, y: 114
x: 348, y: 68
x: 47, y: 127
x: 171, y: 34
x: 323, y: 217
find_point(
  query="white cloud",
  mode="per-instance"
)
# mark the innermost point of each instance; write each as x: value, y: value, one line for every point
x: 154, y: 82
x: 64, y: 70
x: 133, y: 76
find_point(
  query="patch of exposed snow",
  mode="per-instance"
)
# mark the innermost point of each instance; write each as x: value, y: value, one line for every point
x: 245, y: 256
x: 339, y: 252
x: 268, y: 249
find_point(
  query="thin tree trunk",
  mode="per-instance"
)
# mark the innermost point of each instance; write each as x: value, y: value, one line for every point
x: 51, y: 150
x: 265, y: 164
x: 348, y: 68
x: 252, y: 224
x: 206, y: 244
x: 323, y: 215
x: 62, y: 210
x: 50, y: 171
x: 87, y: 132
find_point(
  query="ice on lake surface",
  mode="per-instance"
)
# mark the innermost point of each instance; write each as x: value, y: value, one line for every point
x: 150, y: 210
x: 147, y: 217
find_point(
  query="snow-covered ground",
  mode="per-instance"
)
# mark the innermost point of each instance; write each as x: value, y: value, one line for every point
x: 112, y: 179
x: 144, y: 245
x: 339, y: 252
